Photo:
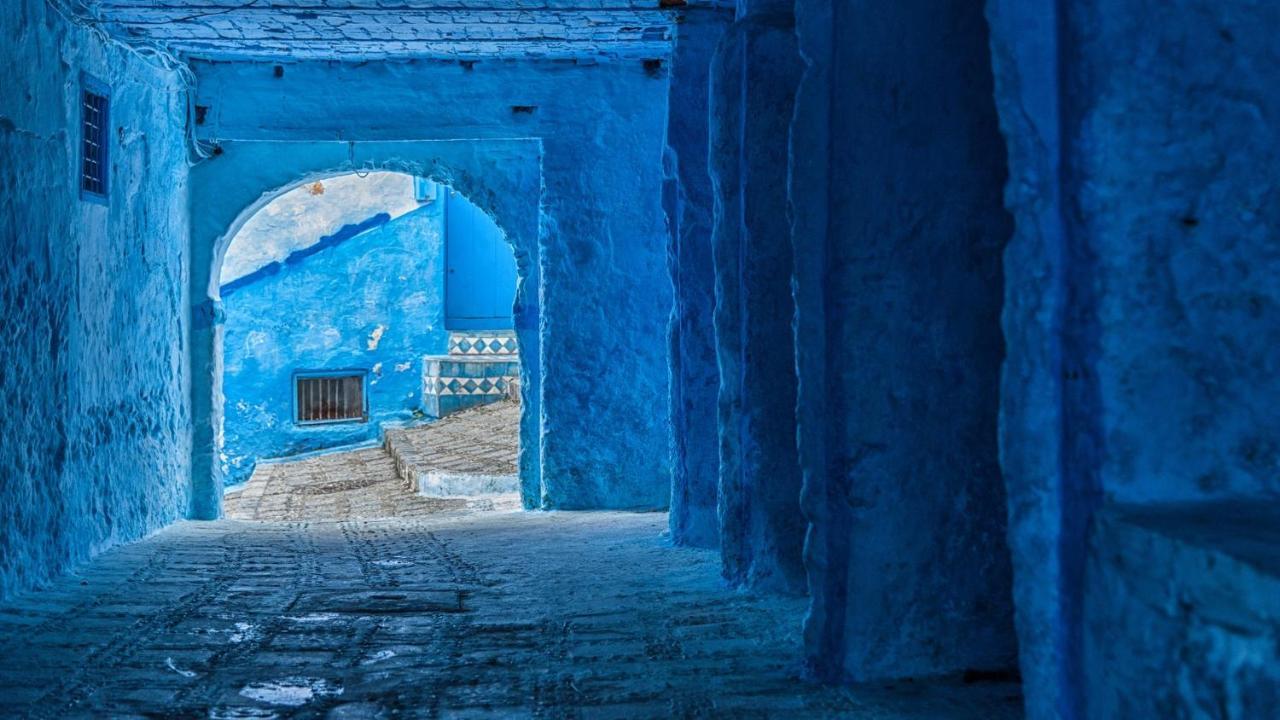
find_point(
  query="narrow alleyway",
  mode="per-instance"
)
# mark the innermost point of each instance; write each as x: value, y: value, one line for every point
x: 483, y: 614
x: 335, y: 590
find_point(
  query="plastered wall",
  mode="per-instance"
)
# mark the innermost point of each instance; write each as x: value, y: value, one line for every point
x: 95, y: 446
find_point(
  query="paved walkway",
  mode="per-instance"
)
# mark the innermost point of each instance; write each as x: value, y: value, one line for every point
x: 365, y: 483
x: 456, y: 615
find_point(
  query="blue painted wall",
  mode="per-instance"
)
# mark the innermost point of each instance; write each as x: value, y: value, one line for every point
x: 95, y: 447
x: 761, y: 526
x: 368, y: 297
x: 899, y: 229
x: 1142, y: 328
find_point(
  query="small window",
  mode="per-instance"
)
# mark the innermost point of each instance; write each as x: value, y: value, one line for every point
x: 95, y: 135
x: 329, y: 398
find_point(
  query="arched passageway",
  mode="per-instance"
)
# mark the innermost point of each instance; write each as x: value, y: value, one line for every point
x: 514, y: 195
x: 363, y: 312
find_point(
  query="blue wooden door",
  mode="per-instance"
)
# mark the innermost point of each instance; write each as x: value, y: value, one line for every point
x: 480, y: 279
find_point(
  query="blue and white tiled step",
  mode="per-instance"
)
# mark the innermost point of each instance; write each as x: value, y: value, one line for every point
x: 483, y: 343
x: 481, y: 367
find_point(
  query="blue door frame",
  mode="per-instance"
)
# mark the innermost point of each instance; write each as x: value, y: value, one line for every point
x: 480, y: 269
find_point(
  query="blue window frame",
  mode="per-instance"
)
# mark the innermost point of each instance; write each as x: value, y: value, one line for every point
x: 95, y: 139
x: 322, y: 397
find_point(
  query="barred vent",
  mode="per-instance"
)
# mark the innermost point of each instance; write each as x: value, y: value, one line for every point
x: 330, y: 398
x: 94, y: 135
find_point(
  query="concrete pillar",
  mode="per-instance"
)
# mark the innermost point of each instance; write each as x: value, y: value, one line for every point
x: 753, y: 81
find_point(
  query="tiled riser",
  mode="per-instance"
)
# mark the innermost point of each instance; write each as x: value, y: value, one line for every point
x: 480, y: 368
x: 483, y: 344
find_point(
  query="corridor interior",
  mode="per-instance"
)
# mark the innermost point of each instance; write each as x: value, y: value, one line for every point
x: 912, y: 359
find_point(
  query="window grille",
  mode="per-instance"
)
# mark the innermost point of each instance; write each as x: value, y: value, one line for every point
x: 329, y: 398
x: 95, y: 135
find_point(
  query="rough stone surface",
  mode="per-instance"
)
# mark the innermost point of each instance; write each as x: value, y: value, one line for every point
x: 95, y: 440
x: 1048, y: 472
x: 899, y: 288
x: 490, y: 614
x: 372, y: 304
x: 761, y: 526
x: 356, y: 484
x: 1182, y: 612
x: 370, y: 30
x: 695, y: 377
x: 1142, y: 351
x: 385, y: 482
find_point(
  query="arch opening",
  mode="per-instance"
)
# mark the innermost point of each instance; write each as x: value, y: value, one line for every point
x: 349, y: 360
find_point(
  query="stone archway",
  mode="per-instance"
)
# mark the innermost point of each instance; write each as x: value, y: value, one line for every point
x: 503, y: 178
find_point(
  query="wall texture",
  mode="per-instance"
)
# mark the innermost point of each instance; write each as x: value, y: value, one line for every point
x: 1182, y: 612
x: 95, y: 448
x: 753, y: 80
x: 695, y: 377
x: 603, y: 287
x: 1141, y: 279
x: 899, y: 289
x: 373, y: 302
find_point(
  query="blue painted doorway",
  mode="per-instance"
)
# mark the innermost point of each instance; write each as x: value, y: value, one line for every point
x: 480, y: 276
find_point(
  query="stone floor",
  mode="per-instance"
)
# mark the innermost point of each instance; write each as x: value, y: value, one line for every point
x: 366, y: 483
x: 455, y: 615
x: 361, y: 599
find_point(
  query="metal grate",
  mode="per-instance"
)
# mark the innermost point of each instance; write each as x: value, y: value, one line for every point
x: 330, y: 398
x: 93, y: 144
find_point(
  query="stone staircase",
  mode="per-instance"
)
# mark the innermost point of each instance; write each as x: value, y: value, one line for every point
x: 482, y: 367
x: 469, y: 453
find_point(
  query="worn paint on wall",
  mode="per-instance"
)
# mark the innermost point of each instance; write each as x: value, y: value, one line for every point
x: 95, y: 448
x: 296, y: 219
x: 372, y: 303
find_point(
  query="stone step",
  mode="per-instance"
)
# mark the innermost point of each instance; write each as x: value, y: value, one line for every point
x: 451, y: 383
x: 467, y: 454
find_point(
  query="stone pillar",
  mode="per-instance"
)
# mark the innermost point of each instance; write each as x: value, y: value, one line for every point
x: 695, y: 377
x: 753, y: 81
x: 897, y: 176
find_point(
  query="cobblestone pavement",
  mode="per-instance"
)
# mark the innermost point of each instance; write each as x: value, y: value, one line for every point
x: 498, y: 614
x: 365, y: 483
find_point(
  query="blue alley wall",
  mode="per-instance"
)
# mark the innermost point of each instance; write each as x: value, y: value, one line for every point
x: 899, y: 228
x: 369, y: 297
x: 595, y: 433
x: 1141, y: 315
x: 95, y: 447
